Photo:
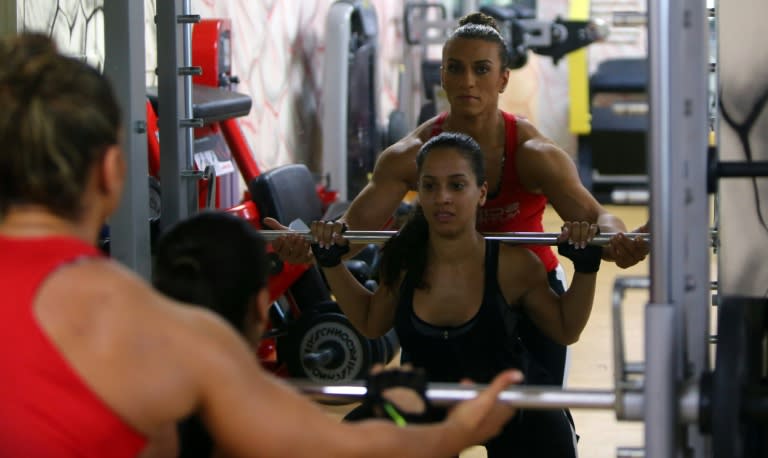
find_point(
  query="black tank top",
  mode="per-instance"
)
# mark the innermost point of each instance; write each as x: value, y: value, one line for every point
x: 479, y: 349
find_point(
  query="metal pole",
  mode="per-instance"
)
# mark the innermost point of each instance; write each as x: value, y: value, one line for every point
x: 179, y: 186
x: 124, y: 66
x: 335, y: 93
x: 679, y: 72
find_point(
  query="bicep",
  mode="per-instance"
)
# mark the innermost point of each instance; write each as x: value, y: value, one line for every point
x: 552, y: 172
x: 250, y: 412
x: 382, y: 311
x: 523, y: 280
x: 379, y: 199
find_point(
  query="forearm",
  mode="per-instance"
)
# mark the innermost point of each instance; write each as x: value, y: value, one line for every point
x: 610, y: 223
x: 383, y: 439
x: 576, y: 305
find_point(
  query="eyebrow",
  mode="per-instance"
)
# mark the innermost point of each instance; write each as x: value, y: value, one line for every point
x: 455, y: 175
x: 481, y: 61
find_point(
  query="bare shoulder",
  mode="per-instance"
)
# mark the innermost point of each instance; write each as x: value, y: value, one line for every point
x: 398, y: 161
x: 540, y: 161
x: 123, y: 301
x: 532, y: 141
x: 519, y: 267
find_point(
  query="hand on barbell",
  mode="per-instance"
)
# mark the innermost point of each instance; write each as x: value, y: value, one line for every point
x: 292, y: 248
x: 573, y: 244
x: 626, y: 251
x: 577, y: 233
x: 329, y: 244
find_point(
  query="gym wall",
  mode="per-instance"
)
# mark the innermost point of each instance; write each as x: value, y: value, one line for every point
x: 743, y: 136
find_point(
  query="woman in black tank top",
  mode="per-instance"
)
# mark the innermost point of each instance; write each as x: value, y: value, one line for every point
x: 455, y: 298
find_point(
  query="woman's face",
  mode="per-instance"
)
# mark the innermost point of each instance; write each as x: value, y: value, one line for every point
x: 448, y: 192
x: 472, y: 75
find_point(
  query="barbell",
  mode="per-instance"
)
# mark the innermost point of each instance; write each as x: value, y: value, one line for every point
x: 522, y: 396
x: 523, y: 238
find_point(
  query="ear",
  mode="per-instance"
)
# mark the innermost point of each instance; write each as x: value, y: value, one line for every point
x: 262, y: 305
x: 256, y: 317
x: 483, y: 194
x: 504, y: 80
x: 112, y: 171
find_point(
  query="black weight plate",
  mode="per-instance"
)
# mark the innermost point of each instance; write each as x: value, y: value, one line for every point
x: 738, y: 367
x: 313, y: 332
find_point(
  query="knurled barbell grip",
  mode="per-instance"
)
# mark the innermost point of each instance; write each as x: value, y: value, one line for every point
x: 524, y: 238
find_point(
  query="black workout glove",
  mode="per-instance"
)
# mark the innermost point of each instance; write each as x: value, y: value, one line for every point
x: 381, y: 407
x: 585, y: 260
x: 330, y: 256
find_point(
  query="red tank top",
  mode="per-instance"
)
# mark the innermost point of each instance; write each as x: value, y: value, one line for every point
x: 510, y: 208
x: 47, y: 409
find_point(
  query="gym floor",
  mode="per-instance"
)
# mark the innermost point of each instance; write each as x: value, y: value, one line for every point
x: 591, y: 357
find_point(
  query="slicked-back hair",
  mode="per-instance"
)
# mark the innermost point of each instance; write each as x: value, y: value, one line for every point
x: 406, y: 251
x: 57, y: 117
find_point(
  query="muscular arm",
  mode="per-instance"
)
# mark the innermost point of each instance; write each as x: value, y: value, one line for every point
x: 545, y: 168
x: 372, y: 314
x: 393, y: 175
x: 523, y: 278
x: 251, y: 413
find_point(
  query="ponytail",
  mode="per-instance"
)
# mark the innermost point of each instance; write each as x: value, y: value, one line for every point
x: 406, y: 252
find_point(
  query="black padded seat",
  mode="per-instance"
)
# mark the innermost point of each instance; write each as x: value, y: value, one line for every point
x: 211, y: 104
x: 620, y: 75
x: 287, y: 193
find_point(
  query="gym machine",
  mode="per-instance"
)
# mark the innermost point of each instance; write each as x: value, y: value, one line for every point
x: 351, y: 137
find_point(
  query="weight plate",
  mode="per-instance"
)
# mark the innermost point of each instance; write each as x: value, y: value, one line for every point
x: 738, y: 368
x: 315, y: 332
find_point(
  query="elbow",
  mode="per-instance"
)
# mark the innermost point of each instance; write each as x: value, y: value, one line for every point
x: 569, y: 338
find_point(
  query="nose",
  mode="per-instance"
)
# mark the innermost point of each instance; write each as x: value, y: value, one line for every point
x: 444, y: 195
x: 467, y: 78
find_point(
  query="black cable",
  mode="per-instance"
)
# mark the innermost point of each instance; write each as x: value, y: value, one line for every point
x: 742, y: 131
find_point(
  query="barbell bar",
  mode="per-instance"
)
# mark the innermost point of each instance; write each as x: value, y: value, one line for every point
x: 524, y: 238
x: 522, y: 396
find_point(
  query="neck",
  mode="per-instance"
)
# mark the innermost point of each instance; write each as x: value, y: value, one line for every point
x: 462, y: 248
x: 476, y: 126
x: 36, y: 221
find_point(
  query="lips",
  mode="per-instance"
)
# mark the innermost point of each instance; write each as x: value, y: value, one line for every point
x: 443, y: 216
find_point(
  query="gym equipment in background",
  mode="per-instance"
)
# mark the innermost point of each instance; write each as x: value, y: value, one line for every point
x: 351, y: 137
x: 612, y: 156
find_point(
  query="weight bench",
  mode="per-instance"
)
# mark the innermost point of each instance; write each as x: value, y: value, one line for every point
x: 320, y: 343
